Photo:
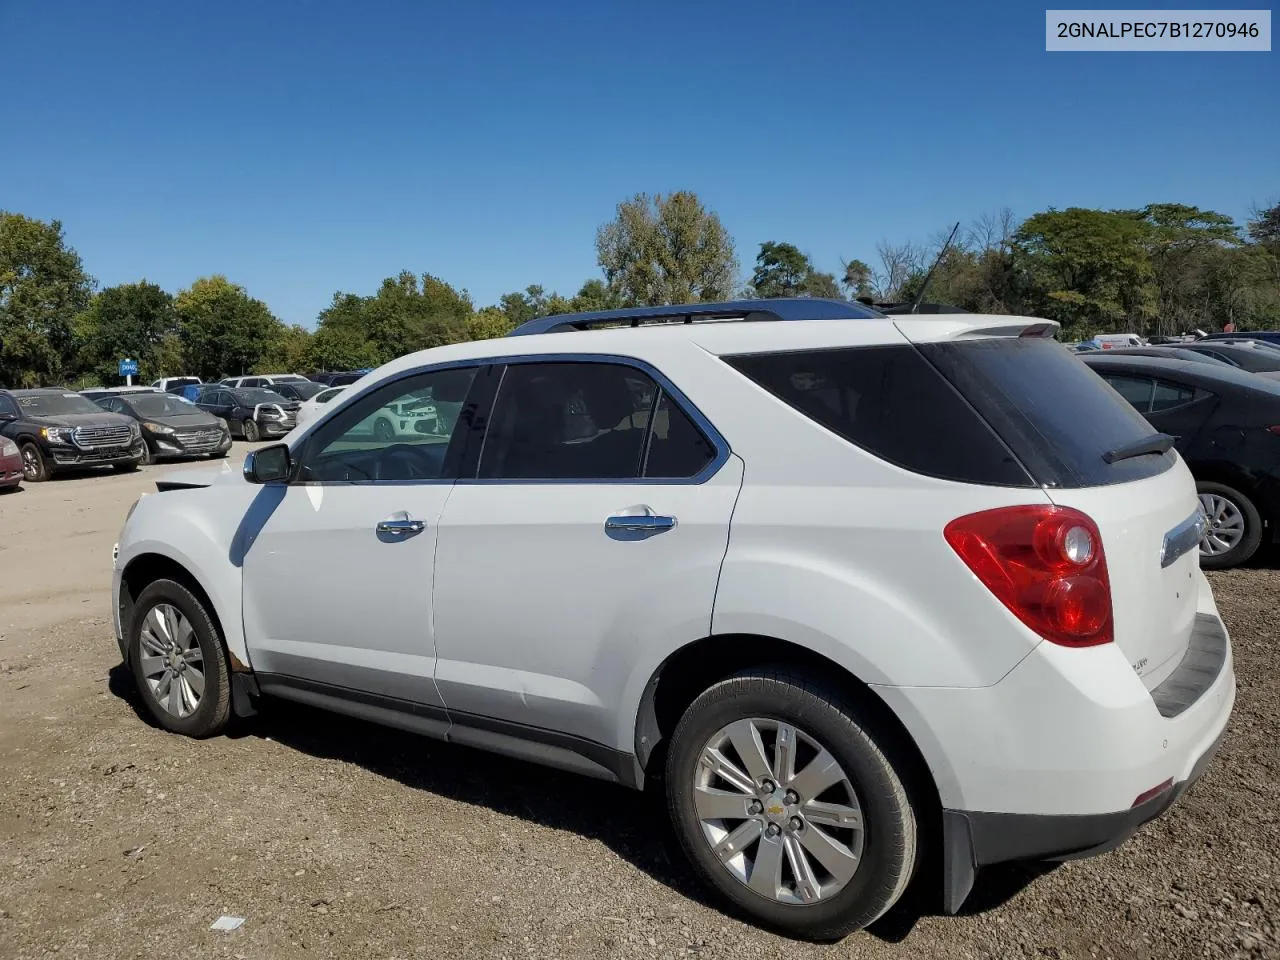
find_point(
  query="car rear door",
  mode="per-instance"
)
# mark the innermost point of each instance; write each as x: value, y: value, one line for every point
x: 337, y: 579
x: 594, y: 528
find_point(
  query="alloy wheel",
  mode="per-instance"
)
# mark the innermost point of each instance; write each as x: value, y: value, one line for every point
x: 30, y: 463
x: 778, y: 811
x: 1226, y: 525
x: 172, y: 663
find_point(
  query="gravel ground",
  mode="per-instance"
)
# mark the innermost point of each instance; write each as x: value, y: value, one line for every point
x: 333, y: 838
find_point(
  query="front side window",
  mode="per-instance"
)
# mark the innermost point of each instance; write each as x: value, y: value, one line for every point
x: 412, y: 429
x: 588, y: 421
x: 8, y: 407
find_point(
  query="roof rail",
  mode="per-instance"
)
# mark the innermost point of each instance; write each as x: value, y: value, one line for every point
x: 782, y: 308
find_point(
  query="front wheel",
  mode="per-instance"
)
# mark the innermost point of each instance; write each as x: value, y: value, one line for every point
x: 1235, y: 526
x: 177, y: 659
x: 251, y: 432
x: 383, y: 430
x: 34, y: 468
x: 787, y: 803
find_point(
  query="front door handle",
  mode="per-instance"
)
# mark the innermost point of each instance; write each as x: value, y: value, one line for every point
x: 647, y: 522
x: 400, y: 526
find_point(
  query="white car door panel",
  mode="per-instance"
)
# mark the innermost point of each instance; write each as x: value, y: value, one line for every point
x: 338, y: 575
x: 329, y: 597
x: 546, y: 589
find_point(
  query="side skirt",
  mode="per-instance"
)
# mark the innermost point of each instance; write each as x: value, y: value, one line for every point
x: 535, y: 744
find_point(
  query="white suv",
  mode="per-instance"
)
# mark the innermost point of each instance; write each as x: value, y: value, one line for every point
x: 867, y: 597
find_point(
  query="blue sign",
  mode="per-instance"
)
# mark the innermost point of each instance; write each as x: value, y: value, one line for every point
x: 128, y: 368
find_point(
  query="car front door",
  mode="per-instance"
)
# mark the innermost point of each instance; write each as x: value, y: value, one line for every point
x: 338, y: 567
x: 592, y: 533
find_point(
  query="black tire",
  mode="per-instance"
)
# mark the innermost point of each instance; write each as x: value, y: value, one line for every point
x: 214, y: 709
x: 251, y: 432
x: 889, y: 852
x: 147, y: 456
x: 1252, y: 538
x: 383, y: 430
x: 34, y: 468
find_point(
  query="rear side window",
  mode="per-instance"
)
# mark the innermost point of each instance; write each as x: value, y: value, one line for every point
x: 1051, y: 409
x: 588, y: 421
x: 891, y: 402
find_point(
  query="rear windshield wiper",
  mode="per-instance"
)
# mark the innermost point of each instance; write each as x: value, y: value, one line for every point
x: 1156, y: 443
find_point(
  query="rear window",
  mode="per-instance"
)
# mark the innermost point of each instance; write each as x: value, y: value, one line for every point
x: 891, y: 402
x: 1053, y: 412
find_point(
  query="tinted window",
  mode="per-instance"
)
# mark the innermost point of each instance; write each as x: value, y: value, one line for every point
x: 677, y: 448
x: 891, y: 402
x: 252, y: 396
x: 8, y: 406
x: 1137, y: 390
x: 1166, y: 396
x: 1049, y: 408
x: 404, y: 431
x: 568, y: 421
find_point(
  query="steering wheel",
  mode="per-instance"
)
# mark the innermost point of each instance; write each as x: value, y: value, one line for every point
x: 405, y: 461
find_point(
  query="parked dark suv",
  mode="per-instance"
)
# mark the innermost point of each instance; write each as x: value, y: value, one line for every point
x: 57, y: 429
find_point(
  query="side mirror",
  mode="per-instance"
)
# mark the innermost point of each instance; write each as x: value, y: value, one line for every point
x: 268, y: 465
x: 6, y: 416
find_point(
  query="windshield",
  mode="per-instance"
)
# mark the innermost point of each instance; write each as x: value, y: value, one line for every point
x: 55, y: 404
x: 161, y: 405
x: 253, y: 396
x: 328, y: 395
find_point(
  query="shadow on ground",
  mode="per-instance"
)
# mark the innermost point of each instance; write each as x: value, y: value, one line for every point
x: 633, y: 825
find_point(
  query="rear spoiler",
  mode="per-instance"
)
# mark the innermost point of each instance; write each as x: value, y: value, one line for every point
x: 919, y: 328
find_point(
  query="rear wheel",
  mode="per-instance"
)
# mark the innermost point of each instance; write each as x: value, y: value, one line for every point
x: 33, y: 465
x: 787, y: 803
x: 177, y: 658
x: 383, y: 430
x: 1235, y: 526
x: 251, y: 432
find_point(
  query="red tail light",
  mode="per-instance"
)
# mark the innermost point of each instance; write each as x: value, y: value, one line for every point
x: 1275, y: 430
x: 1045, y: 564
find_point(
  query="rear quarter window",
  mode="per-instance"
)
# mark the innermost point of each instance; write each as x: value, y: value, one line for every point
x: 893, y: 403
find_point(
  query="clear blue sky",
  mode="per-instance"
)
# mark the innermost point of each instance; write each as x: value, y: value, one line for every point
x: 306, y: 147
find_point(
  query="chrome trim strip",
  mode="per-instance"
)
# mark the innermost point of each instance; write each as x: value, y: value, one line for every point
x: 1182, y: 538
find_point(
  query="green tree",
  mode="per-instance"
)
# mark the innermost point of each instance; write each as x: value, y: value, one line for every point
x: 43, y: 287
x: 781, y: 270
x: 405, y: 315
x: 131, y: 320
x: 1265, y: 226
x: 857, y: 279
x: 288, y: 352
x: 1087, y: 269
x: 224, y: 331
x: 666, y: 249
x: 1179, y: 239
x: 489, y: 323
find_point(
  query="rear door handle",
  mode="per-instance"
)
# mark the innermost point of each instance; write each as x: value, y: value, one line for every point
x: 645, y: 522
x: 400, y: 526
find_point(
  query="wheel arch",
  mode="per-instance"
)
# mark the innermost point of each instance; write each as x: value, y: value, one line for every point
x: 691, y: 669
x: 145, y: 569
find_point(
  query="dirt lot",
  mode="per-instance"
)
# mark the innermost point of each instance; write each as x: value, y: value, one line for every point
x: 337, y: 839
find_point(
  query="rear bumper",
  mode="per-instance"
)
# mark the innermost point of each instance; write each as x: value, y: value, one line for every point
x: 973, y: 839
x: 1059, y: 759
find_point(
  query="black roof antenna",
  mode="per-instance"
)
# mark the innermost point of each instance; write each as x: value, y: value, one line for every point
x: 915, y: 304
